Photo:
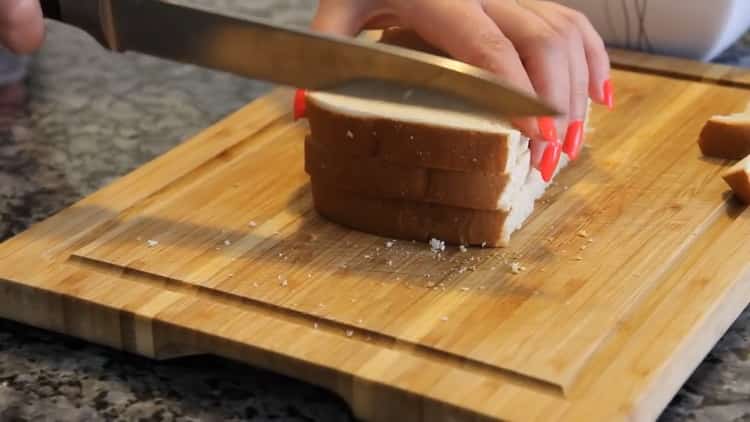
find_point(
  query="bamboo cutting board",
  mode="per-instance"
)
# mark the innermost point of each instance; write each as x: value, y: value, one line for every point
x: 636, y: 262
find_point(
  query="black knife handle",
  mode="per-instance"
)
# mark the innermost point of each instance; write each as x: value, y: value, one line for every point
x: 51, y: 9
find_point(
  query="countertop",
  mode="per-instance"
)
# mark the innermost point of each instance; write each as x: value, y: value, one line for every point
x: 84, y: 117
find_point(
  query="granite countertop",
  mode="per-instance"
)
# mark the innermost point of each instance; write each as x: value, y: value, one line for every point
x: 85, y: 117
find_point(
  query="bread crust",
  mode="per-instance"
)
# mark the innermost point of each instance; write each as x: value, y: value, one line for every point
x: 727, y: 139
x: 410, y: 220
x: 738, y: 178
x: 376, y: 178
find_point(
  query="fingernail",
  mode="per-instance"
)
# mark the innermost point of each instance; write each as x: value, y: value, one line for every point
x: 609, y: 94
x: 547, y: 129
x: 573, y: 139
x: 549, y: 161
x: 300, y: 104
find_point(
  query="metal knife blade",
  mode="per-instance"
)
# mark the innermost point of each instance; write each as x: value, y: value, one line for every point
x: 261, y: 50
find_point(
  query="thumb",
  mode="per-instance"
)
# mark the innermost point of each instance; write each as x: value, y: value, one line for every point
x: 339, y: 17
x: 21, y: 25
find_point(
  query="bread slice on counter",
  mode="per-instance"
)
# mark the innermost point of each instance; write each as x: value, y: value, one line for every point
x: 738, y: 178
x: 726, y: 136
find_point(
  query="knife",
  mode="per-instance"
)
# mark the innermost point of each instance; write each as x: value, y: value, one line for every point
x: 261, y: 50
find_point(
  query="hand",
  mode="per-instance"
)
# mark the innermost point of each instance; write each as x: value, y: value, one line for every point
x: 21, y: 25
x: 541, y: 47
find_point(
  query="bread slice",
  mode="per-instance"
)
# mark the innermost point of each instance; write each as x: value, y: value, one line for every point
x: 411, y: 135
x: 381, y: 179
x: 411, y: 220
x: 738, y: 178
x: 726, y: 137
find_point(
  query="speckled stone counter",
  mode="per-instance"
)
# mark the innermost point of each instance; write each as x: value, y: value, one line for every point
x: 85, y: 117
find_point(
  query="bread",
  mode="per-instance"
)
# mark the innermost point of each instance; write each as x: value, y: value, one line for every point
x: 726, y: 137
x: 412, y: 220
x: 381, y: 179
x: 412, y: 136
x: 738, y: 178
x: 403, y: 171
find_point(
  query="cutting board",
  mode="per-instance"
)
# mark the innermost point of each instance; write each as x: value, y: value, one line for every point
x: 635, y: 263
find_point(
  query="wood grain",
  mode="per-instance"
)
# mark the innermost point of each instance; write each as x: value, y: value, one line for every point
x: 215, y: 248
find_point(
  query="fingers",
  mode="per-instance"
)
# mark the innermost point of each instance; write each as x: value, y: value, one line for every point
x: 340, y: 17
x: 21, y: 25
x: 578, y: 72
x: 349, y: 17
x: 469, y: 35
x: 596, y: 54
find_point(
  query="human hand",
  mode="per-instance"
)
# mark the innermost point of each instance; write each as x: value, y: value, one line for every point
x: 21, y: 25
x: 540, y: 47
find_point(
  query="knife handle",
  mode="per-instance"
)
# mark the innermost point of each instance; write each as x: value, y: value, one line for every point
x: 51, y: 9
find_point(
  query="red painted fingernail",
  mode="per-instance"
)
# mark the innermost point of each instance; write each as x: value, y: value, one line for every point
x: 547, y: 129
x: 300, y: 104
x: 573, y: 138
x: 609, y: 94
x: 550, y: 159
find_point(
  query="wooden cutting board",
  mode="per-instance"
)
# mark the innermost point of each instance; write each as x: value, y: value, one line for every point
x: 636, y: 262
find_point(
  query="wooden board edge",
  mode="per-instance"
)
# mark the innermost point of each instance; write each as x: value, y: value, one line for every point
x: 679, y: 68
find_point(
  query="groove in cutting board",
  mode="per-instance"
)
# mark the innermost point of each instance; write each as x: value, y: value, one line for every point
x: 318, y: 323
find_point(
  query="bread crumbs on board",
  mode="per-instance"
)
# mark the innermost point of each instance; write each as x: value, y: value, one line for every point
x: 516, y: 267
x: 152, y: 243
x: 437, y: 245
x: 349, y: 134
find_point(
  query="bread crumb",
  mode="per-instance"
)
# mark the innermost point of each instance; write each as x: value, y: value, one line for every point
x: 463, y: 248
x: 152, y: 243
x: 252, y: 224
x: 349, y: 134
x: 315, y: 325
x: 390, y: 262
x: 484, y: 244
x: 437, y: 245
x: 309, y: 275
x: 583, y: 233
x: 368, y: 256
x: 360, y: 321
x: 255, y: 284
x: 579, y: 258
x: 516, y: 267
x: 349, y: 333
x: 227, y: 242
x: 465, y: 289
x: 389, y: 244
x: 284, y: 283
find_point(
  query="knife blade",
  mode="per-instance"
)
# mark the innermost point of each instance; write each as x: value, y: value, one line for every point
x: 262, y: 50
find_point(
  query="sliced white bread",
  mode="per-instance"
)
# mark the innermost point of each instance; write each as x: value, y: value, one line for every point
x: 738, y: 178
x: 403, y: 171
x: 726, y: 136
